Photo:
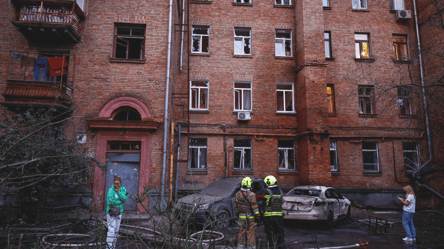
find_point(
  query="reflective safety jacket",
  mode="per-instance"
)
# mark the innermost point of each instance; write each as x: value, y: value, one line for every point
x: 246, y: 205
x: 274, y: 201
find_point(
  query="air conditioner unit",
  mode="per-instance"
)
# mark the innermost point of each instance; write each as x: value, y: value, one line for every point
x: 403, y: 15
x: 243, y: 116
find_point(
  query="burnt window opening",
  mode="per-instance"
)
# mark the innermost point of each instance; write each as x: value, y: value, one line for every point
x: 127, y: 114
x: 129, y: 41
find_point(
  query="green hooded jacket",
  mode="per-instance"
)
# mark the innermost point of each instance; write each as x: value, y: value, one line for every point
x: 115, y: 199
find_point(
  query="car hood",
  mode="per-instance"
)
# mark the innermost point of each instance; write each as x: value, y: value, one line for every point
x: 199, y: 199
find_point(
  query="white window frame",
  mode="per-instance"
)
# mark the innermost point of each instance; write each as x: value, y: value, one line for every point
x: 242, y: 39
x: 397, y: 4
x: 377, y: 164
x: 242, y: 157
x: 284, y: 91
x: 200, y: 36
x: 242, y: 1
x: 334, y: 148
x: 416, y: 151
x: 327, y: 44
x: 283, y: 41
x: 241, y: 95
x: 282, y: 2
x: 199, y: 153
x: 287, y: 165
x: 325, y: 3
x: 359, y: 4
x: 359, y: 47
x: 199, y: 90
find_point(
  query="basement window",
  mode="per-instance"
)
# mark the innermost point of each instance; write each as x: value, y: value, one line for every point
x: 370, y: 154
x: 242, y: 154
x: 198, y: 153
x: 242, y: 41
x: 129, y: 41
x: 201, y: 39
x: 411, y: 156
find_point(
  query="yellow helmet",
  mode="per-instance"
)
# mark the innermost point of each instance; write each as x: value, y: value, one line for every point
x: 246, y: 182
x: 270, y: 180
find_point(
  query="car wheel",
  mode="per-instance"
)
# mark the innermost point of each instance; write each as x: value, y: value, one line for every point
x: 222, y: 220
x: 329, y: 221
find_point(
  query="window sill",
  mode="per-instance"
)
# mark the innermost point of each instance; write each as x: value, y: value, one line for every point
x: 236, y: 111
x: 326, y: 7
x: 242, y: 56
x: 115, y: 60
x: 242, y: 171
x: 365, y: 60
x: 286, y: 172
x: 329, y: 59
x: 335, y: 173
x: 402, y: 61
x: 243, y: 4
x: 201, y: 2
x: 287, y: 113
x: 368, y: 115
x: 407, y: 116
x: 197, y: 171
x: 332, y: 114
x: 200, y: 54
x: 361, y: 10
x: 282, y: 6
x: 288, y: 57
x: 200, y: 111
x: 372, y: 173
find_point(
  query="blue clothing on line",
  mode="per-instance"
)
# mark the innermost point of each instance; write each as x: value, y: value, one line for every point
x: 40, y: 62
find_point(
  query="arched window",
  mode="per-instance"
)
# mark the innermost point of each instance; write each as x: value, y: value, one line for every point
x: 126, y: 113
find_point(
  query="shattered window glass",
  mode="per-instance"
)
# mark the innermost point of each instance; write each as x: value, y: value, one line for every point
x: 242, y: 41
x: 242, y: 154
x: 129, y: 41
x: 286, y: 155
x: 201, y: 38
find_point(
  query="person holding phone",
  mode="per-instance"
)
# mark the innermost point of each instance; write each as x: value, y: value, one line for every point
x: 407, y: 216
x: 117, y: 195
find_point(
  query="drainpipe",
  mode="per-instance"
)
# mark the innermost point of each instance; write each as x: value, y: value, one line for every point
x: 424, y: 98
x: 177, y: 164
x: 165, y: 124
x: 181, y: 39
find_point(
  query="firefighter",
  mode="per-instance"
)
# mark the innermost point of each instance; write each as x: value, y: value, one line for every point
x: 273, y: 216
x: 248, y: 211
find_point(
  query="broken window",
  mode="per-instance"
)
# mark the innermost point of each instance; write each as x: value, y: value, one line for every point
x: 366, y: 100
x: 397, y: 5
x: 129, y: 41
x: 404, y: 100
x: 411, y: 156
x: 359, y: 4
x: 327, y: 44
x: 370, y: 156
x: 127, y: 114
x: 199, y: 95
x: 285, y: 93
x: 242, y: 153
x: 242, y: 96
x: 242, y: 41
x: 334, y: 165
x: 242, y: 1
x: 362, y: 47
x: 201, y: 39
x: 283, y: 2
x: 400, y: 47
x: 326, y: 3
x: 198, y: 153
x: 331, y: 98
x: 283, y: 42
x: 286, y: 158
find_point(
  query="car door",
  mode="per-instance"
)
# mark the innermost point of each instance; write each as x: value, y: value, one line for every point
x: 342, y: 203
x: 233, y: 198
x: 333, y: 202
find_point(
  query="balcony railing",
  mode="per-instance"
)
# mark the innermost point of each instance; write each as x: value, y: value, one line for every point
x: 44, y: 78
x: 56, y: 21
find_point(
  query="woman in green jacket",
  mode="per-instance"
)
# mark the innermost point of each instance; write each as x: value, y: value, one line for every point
x: 116, y: 197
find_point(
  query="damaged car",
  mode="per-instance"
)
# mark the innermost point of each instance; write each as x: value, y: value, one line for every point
x: 213, y: 206
x: 315, y: 203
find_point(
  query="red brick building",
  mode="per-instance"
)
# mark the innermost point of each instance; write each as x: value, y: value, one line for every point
x: 308, y: 91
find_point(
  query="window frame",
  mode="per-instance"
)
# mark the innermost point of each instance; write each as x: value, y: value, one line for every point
x: 285, y: 91
x: 378, y: 161
x: 243, y: 41
x: 242, y: 96
x: 364, y: 96
x: 201, y: 39
x: 199, y: 152
x: 284, y: 40
x: 360, y: 43
x: 403, y: 99
x: 199, y: 93
x: 396, y: 48
x: 286, y: 159
x: 331, y: 99
x: 242, y: 158
x: 130, y: 36
x: 394, y: 5
x: 330, y: 55
x: 325, y: 1
x: 359, y: 4
x: 335, y: 167
x: 416, y: 152
x: 283, y: 2
x: 242, y: 1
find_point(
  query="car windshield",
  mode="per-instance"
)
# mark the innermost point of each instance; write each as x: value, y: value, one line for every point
x: 221, y: 188
x: 305, y: 192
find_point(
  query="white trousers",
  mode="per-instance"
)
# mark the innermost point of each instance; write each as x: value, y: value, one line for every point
x: 113, y: 229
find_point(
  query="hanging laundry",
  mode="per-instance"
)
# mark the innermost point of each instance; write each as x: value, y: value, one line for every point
x: 57, y: 66
x: 40, y: 63
x: 26, y: 61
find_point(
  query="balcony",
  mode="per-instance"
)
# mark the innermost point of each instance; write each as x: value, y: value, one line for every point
x: 39, y: 80
x: 52, y: 21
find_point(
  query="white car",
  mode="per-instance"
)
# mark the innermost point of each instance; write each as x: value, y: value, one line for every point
x: 315, y: 203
